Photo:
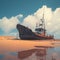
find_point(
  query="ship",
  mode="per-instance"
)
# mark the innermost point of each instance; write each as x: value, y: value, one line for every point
x: 26, y: 33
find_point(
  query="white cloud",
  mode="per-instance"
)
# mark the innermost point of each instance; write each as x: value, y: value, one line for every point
x: 52, y: 19
x: 30, y: 21
x: 7, y: 25
x: 19, y: 16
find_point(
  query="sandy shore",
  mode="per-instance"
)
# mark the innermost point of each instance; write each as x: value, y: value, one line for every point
x: 8, y: 43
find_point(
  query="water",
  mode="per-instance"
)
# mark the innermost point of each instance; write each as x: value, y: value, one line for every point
x: 29, y: 50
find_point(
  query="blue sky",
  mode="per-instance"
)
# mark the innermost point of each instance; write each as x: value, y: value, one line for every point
x: 9, y: 9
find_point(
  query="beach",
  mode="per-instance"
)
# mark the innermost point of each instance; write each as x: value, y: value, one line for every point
x: 10, y: 44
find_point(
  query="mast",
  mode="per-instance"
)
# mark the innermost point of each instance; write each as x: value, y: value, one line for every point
x: 43, y: 23
x: 40, y: 28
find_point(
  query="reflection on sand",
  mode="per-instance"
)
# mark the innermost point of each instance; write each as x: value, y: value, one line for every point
x: 25, y: 54
x: 39, y: 54
x: 29, y: 49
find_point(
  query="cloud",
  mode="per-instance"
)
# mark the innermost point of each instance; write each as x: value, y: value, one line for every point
x: 52, y: 20
x: 19, y: 16
x: 7, y: 25
x: 30, y: 21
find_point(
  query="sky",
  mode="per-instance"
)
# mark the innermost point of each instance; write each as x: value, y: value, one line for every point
x: 10, y: 8
x: 25, y: 12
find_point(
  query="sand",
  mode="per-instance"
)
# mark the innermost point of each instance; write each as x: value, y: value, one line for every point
x: 9, y: 43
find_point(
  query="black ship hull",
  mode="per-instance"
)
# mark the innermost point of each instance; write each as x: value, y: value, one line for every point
x: 27, y: 34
